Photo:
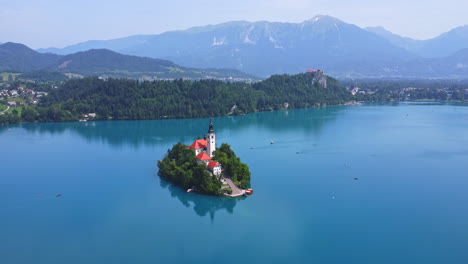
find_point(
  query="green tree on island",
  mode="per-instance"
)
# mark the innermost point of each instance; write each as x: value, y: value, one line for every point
x: 180, y: 167
x: 232, y: 166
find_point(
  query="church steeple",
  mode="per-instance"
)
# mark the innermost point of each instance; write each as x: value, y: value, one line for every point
x: 210, y: 140
x: 210, y: 128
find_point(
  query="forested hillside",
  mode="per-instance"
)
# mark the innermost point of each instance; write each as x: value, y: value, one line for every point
x: 124, y: 99
x: 15, y: 57
x: 130, y: 99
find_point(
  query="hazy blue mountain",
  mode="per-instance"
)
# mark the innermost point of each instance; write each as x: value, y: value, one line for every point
x: 101, y: 62
x: 454, y: 66
x: 409, y: 44
x: 265, y: 48
x: 110, y: 63
x: 115, y: 45
x: 441, y: 46
x: 323, y: 42
x: 446, y: 44
x: 19, y: 58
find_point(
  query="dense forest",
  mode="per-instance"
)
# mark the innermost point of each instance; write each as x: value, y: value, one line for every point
x: 125, y: 99
x: 128, y: 99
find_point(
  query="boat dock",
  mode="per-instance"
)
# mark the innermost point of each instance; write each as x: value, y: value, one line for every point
x: 236, y: 191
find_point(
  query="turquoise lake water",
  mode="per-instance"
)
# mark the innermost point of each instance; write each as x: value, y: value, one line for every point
x: 408, y: 205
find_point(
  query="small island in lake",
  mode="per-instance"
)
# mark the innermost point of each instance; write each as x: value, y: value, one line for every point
x: 203, y: 168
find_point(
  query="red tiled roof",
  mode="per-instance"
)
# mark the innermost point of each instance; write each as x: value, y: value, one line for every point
x: 203, y: 156
x: 213, y: 164
x: 198, y: 144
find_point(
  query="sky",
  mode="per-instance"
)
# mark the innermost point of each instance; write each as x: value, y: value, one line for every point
x: 59, y: 23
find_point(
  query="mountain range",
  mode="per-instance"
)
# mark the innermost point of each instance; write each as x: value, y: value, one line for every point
x: 442, y: 46
x: 323, y: 42
x: 16, y: 57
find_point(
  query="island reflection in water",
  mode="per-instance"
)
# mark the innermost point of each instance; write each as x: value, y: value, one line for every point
x: 202, y: 204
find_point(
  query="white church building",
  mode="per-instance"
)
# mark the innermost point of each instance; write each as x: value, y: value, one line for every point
x: 204, y: 149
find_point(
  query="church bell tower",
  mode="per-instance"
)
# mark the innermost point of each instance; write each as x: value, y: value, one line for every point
x: 210, y: 140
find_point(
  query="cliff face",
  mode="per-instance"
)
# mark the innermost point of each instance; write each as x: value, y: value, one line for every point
x: 319, y: 78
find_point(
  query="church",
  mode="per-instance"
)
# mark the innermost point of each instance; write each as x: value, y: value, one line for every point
x: 204, y: 149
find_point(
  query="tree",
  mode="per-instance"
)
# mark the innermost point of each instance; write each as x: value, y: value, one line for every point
x: 180, y: 167
x: 28, y: 114
x: 239, y: 172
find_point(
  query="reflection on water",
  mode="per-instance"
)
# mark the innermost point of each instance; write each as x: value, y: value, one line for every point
x: 152, y: 132
x: 201, y: 204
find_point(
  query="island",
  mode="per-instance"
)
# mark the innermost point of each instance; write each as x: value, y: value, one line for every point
x: 203, y: 168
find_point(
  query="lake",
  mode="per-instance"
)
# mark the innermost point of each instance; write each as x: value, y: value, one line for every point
x: 407, y: 205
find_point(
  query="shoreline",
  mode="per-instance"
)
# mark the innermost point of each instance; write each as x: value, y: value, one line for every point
x: 313, y: 107
x: 101, y: 120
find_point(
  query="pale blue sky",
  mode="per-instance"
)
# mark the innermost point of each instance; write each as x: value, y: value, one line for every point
x: 46, y: 23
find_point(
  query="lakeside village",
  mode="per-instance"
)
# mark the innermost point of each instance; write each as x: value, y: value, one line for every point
x: 20, y: 96
x: 12, y: 99
x: 201, y: 167
x: 415, y: 94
